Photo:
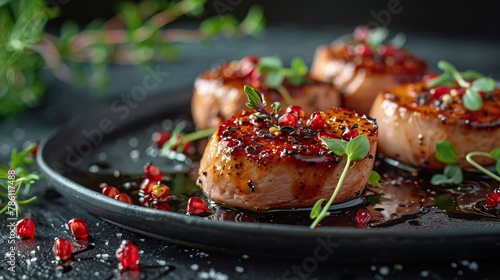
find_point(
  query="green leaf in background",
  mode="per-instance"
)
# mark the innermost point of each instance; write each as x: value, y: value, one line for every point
x: 298, y: 66
x: 377, y: 36
x: 274, y: 79
x: 445, y: 152
x: 483, y: 84
x: 398, y: 41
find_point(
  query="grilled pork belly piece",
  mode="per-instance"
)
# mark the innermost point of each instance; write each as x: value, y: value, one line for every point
x: 360, y: 70
x: 250, y: 164
x: 218, y: 93
x: 413, y: 117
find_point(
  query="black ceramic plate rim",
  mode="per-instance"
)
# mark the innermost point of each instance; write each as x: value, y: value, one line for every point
x: 69, y: 187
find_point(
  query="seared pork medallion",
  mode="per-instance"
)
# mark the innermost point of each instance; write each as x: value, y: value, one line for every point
x: 218, y: 93
x: 462, y: 108
x: 361, y: 65
x: 277, y: 159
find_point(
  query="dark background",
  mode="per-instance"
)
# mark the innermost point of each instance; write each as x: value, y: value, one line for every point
x: 457, y: 18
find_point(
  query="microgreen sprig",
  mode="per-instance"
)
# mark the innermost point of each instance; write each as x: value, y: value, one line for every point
x: 354, y: 150
x: 472, y: 100
x: 495, y: 154
x: 275, y: 73
x: 446, y: 153
x: 20, y: 163
x: 178, y: 139
x: 378, y: 35
x: 452, y: 173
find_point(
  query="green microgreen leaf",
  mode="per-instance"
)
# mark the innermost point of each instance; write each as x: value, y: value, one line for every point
x: 495, y: 154
x: 269, y: 63
x: 439, y: 179
x: 452, y: 71
x: 298, y: 66
x: 471, y: 74
x: 355, y: 152
x: 337, y: 146
x: 358, y: 148
x: 276, y: 107
x: 254, y: 97
x: 316, y: 208
x: 445, y: 202
x: 374, y: 179
x: 472, y: 100
x: 442, y: 80
x: 377, y: 36
x: 445, y: 152
x: 483, y: 84
x: 274, y: 79
x: 454, y: 173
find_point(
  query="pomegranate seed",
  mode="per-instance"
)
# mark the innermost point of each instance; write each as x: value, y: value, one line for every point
x: 147, y: 185
x: 363, y: 50
x: 110, y: 191
x: 492, y: 199
x: 317, y: 120
x: 123, y: 197
x: 160, y: 191
x: 297, y: 110
x: 161, y: 205
x: 196, y: 205
x: 288, y: 119
x: 349, y: 134
x: 78, y: 228
x: 153, y: 172
x: 128, y: 255
x: 437, y: 92
x: 247, y: 67
x: 363, y: 217
x: 361, y: 33
x: 429, y: 77
x: 26, y: 228
x: 160, y: 138
x: 386, y: 50
x: 63, y: 249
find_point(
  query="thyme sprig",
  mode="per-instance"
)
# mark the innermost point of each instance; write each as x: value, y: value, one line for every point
x: 135, y: 35
x: 472, y: 99
x: 256, y: 102
x: 16, y: 179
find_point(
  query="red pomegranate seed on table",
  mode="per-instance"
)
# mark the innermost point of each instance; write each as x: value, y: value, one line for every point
x: 63, y: 249
x: 123, y: 197
x: 153, y: 172
x: 78, y: 228
x: 288, y: 119
x: 26, y: 228
x: 492, y: 199
x: 110, y: 191
x: 128, y: 255
x: 363, y: 217
x: 196, y: 205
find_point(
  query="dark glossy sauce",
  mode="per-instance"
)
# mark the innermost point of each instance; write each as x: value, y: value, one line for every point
x: 405, y: 195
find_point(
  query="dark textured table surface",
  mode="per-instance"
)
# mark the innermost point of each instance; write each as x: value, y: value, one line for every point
x: 161, y: 259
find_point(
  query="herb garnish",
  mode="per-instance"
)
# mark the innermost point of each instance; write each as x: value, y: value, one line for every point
x: 472, y: 99
x: 24, y: 178
x: 354, y: 150
x: 452, y: 173
x: 378, y: 35
x: 275, y: 73
x: 256, y: 102
x: 178, y: 139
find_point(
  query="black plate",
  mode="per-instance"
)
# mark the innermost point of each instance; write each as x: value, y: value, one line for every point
x: 78, y: 143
